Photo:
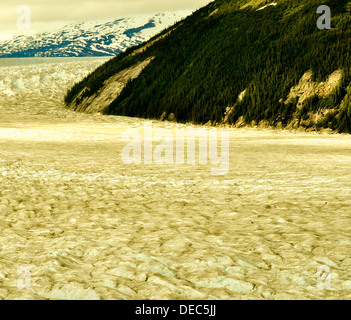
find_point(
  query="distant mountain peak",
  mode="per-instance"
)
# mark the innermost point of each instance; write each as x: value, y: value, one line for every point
x: 92, y: 38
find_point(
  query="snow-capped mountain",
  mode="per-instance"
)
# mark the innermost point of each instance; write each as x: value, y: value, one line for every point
x: 94, y: 38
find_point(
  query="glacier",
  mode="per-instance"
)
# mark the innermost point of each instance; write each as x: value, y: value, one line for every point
x: 34, y: 77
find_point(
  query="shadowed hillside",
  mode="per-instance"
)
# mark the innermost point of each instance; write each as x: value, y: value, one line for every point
x: 239, y: 62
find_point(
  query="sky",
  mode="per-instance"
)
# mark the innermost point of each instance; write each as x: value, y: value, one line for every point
x: 49, y: 15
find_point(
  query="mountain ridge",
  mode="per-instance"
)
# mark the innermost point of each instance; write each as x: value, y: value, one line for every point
x: 92, y: 38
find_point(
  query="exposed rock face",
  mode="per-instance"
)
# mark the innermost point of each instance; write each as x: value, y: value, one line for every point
x: 307, y: 88
x: 229, y: 110
x: 109, y: 91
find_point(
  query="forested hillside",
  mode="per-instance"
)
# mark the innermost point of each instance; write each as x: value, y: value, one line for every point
x: 239, y: 62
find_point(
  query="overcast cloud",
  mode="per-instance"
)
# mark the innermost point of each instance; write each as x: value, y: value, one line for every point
x: 51, y: 14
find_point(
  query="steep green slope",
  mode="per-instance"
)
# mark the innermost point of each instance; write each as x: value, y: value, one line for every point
x: 229, y: 49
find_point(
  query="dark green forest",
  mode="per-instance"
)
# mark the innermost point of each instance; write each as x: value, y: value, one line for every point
x: 202, y: 66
